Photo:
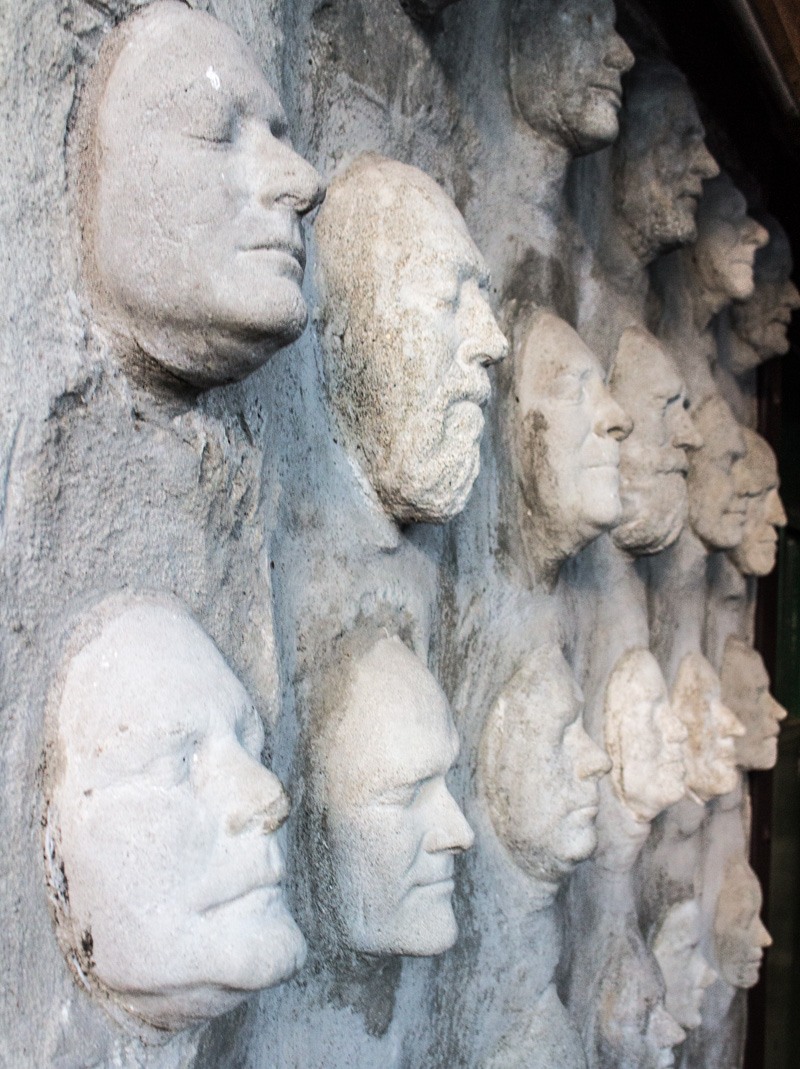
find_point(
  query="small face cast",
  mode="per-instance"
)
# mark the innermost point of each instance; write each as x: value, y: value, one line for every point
x: 408, y: 335
x: 712, y: 729
x: 727, y: 241
x: 717, y: 510
x: 745, y: 689
x: 762, y: 322
x: 167, y: 823
x: 653, y: 459
x: 756, y: 476
x: 194, y: 199
x: 392, y: 827
x: 644, y: 737
x: 567, y: 432
x: 686, y: 974
x: 540, y: 769
x: 566, y: 66
x: 739, y: 935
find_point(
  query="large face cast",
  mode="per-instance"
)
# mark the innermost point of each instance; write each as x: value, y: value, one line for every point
x: 165, y: 821
x: 727, y: 241
x: 390, y: 825
x: 653, y: 459
x: 407, y: 334
x: 686, y: 973
x: 566, y: 66
x: 644, y: 737
x: 739, y: 935
x: 762, y: 322
x: 712, y: 729
x: 660, y: 160
x: 192, y: 198
x: 745, y: 689
x: 757, y: 483
x: 567, y: 429
x: 540, y: 769
x: 716, y: 509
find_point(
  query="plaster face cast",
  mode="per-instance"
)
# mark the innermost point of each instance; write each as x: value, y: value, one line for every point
x: 653, y: 459
x: 757, y: 482
x: 685, y: 970
x: 391, y: 826
x: 660, y: 160
x: 739, y: 935
x: 712, y: 729
x: 745, y: 689
x: 539, y: 769
x: 566, y: 67
x: 727, y: 241
x: 717, y: 510
x: 644, y: 738
x: 407, y: 334
x: 165, y: 821
x: 567, y: 434
x: 762, y: 322
x: 192, y: 198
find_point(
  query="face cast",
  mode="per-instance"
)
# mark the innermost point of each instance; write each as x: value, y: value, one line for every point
x: 391, y: 826
x: 566, y: 64
x: 193, y: 199
x: 745, y: 689
x: 757, y: 481
x: 739, y: 935
x: 644, y: 737
x: 167, y: 822
x: 540, y: 769
x: 653, y: 459
x: 407, y: 334
x: 716, y: 509
x: 712, y: 728
x: 567, y: 431
x: 727, y: 241
x: 685, y: 971
x: 660, y: 160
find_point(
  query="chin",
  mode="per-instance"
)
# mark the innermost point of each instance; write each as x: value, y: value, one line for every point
x: 598, y: 128
x: 433, y: 931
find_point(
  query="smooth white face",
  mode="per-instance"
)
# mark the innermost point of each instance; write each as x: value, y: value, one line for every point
x: 739, y: 935
x: 762, y: 321
x: 685, y: 970
x: 716, y: 508
x: 756, y: 476
x: 194, y: 221
x: 745, y: 689
x: 392, y: 827
x: 168, y: 822
x: 727, y: 241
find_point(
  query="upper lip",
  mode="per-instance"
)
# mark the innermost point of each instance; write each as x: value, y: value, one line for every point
x: 614, y: 87
x: 291, y: 248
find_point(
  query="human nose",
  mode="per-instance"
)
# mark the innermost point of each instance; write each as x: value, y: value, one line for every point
x: 685, y: 435
x: 730, y: 726
x: 449, y: 831
x: 664, y: 1029
x: 619, y: 57
x: 287, y: 179
x: 762, y: 937
x: 775, y: 512
x: 672, y: 727
x: 612, y: 420
x: 253, y: 795
x: 703, y: 164
x: 792, y: 296
x: 755, y: 233
x: 778, y: 711
x: 590, y: 761
x: 485, y: 343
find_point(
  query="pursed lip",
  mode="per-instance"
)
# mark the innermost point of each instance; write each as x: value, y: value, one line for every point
x: 613, y: 89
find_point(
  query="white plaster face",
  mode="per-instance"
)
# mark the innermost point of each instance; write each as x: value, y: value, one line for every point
x: 685, y: 970
x: 392, y: 828
x: 194, y: 197
x: 712, y: 728
x: 166, y: 821
x: 644, y: 737
x: 540, y: 769
x: 567, y: 431
x: 653, y: 459
x: 407, y: 335
x: 566, y: 65
x: 739, y: 935
x: 717, y: 510
x: 745, y: 689
x: 757, y: 482
x: 762, y: 321
x: 727, y: 240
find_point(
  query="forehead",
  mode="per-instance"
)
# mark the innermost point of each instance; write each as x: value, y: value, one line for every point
x: 431, y: 236
x: 552, y: 350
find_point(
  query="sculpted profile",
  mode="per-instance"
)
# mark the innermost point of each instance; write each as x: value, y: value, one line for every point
x: 566, y: 64
x: 191, y: 199
x: 163, y: 864
x: 716, y: 509
x: 539, y: 769
x: 757, y: 482
x: 385, y: 829
x: 712, y: 728
x: 406, y: 336
x: 739, y: 934
x: 745, y: 690
x: 686, y: 973
x: 653, y: 459
x: 566, y: 433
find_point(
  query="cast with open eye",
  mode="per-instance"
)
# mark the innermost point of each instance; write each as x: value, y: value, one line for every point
x: 163, y: 864
x: 406, y: 334
x: 757, y: 482
x: 745, y: 690
x: 191, y: 198
x: 717, y: 510
x: 740, y: 937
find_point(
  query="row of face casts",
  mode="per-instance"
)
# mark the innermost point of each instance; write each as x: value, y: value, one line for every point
x: 162, y: 843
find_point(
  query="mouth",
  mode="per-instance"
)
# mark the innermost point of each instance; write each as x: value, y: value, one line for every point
x: 612, y: 93
x: 266, y: 895
x: 287, y: 257
x: 445, y: 886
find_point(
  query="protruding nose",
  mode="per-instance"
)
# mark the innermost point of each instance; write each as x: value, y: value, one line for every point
x: 729, y: 725
x: 774, y: 511
x: 253, y: 796
x: 612, y: 420
x: 485, y: 343
x: 590, y: 761
x: 777, y: 710
x: 755, y: 233
x: 449, y: 830
x: 762, y: 937
x: 703, y: 163
x: 619, y: 57
x: 707, y: 976
x: 289, y: 180
x: 672, y: 727
x: 792, y: 298
x: 685, y: 434
x: 664, y: 1030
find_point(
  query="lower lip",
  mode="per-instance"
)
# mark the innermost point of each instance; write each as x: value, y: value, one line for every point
x: 283, y: 261
x: 439, y: 886
x: 611, y: 95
